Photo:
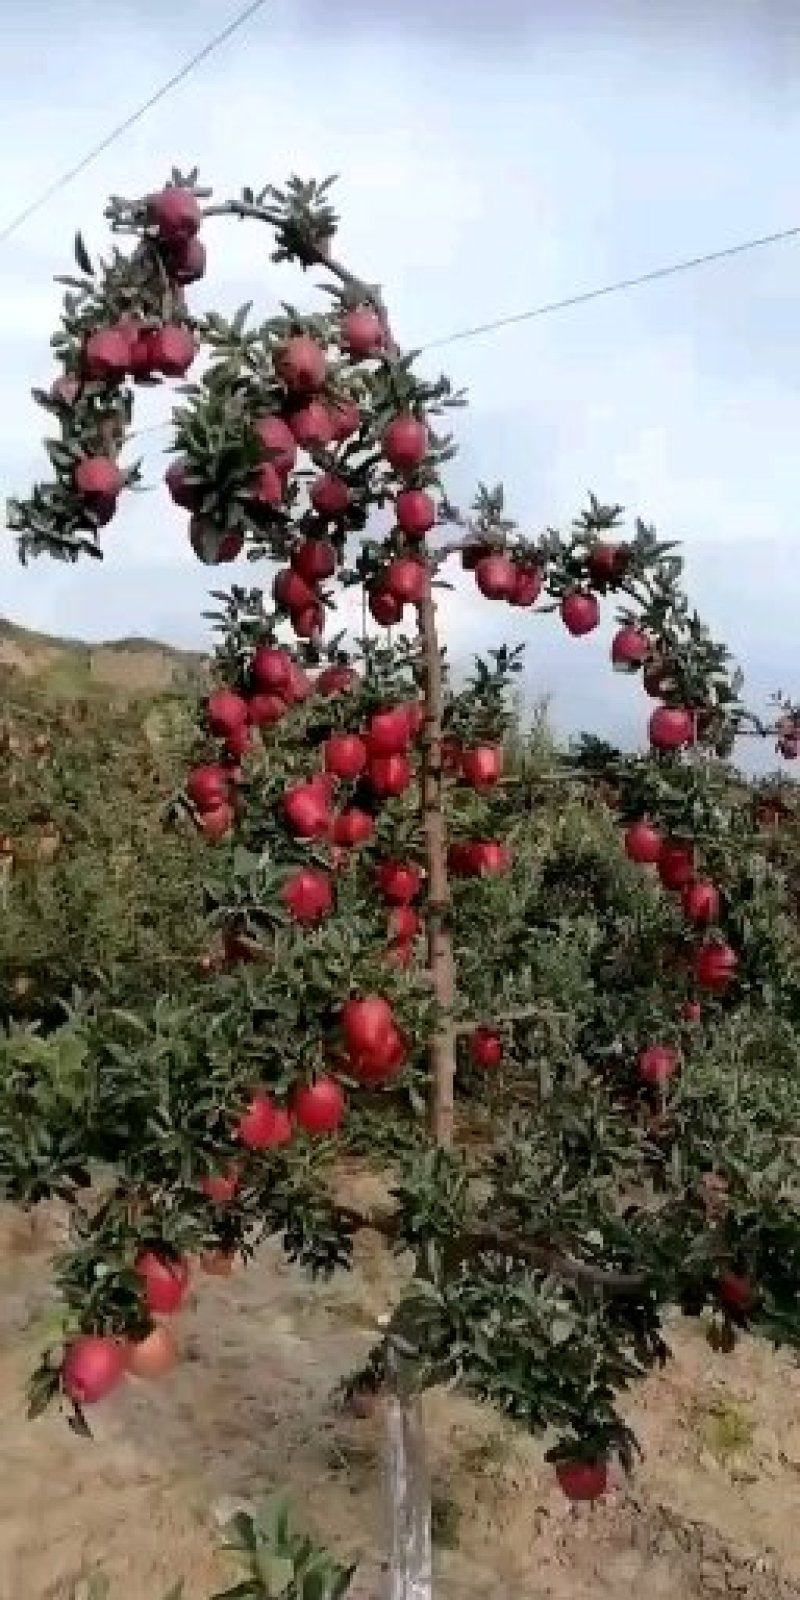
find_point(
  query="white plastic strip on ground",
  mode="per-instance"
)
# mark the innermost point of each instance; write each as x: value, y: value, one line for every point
x: 410, y: 1556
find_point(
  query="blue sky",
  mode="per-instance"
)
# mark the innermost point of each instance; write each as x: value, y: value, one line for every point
x: 486, y: 165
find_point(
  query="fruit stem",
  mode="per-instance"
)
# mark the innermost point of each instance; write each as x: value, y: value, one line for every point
x: 440, y: 938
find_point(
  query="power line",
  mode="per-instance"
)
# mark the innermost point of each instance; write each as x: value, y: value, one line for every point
x: 136, y: 116
x: 616, y: 287
x: 584, y: 297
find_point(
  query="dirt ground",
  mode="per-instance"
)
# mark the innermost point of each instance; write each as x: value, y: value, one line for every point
x: 713, y: 1509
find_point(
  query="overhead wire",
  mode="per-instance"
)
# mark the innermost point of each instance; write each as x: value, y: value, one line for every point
x: 459, y: 335
x: 584, y: 297
x: 617, y: 286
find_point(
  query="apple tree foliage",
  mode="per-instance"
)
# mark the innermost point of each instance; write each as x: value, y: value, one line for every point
x: 400, y: 919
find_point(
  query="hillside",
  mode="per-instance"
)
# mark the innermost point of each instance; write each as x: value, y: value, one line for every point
x: 124, y: 669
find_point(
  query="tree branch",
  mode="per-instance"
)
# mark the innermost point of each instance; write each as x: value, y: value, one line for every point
x: 516, y: 1014
x: 483, y: 1241
x: 314, y: 255
x: 440, y: 939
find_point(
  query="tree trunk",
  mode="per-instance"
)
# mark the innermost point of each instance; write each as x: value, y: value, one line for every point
x: 440, y: 938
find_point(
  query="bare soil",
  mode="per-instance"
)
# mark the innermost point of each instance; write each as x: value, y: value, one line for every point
x: 713, y: 1509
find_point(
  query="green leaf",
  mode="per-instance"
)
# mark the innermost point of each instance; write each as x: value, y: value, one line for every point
x: 82, y: 256
x: 276, y: 1572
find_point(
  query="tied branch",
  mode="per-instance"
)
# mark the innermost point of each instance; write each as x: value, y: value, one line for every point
x: 313, y: 252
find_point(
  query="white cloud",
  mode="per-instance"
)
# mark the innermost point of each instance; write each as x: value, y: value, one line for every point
x: 470, y: 192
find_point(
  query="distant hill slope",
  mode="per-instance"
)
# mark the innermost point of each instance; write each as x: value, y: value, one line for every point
x: 117, y: 668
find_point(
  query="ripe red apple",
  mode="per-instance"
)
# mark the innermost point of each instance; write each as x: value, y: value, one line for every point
x: 406, y: 580
x: 208, y: 787
x: 311, y: 425
x: 345, y: 419
x: 267, y: 489
x: 182, y: 492
x: 306, y: 810
x: 153, y: 1356
x: 221, y: 1188
x: 675, y: 864
x: 264, y: 1125
x: 239, y: 739
x: 486, y: 1047
x: 528, y: 582
x: 319, y: 1107
x: 93, y: 1365
x: 496, y: 576
x: 385, y: 607
x: 389, y: 732
x: 670, y: 728
x: 414, y: 711
x: 214, y: 546
x: 330, y: 495
x: 308, y: 895
x: 175, y: 212
x: 185, y: 260
x: 300, y: 685
x: 352, y: 827
x: 416, y: 513
x: 165, y: 1280
x: 379, y: 1063
x: 226, y: 711
x: 345, y: 755
x: 106, y: 354
x: 736, y: 1293
x: 701, y: 902
x: 140, y: 356
x: 362, y: 333
x: 389, y: 775
x: 582, y: 1481
x: 404, y: 923
x: 98, y: 477
x: 715, y: 966
x: 309, y: 621
x: 482, y: 767
x: 629, y: 649
x: 314, y: 560
x: 336, y: 679
x: 691, y: 1011
x: 216, y: 822
x: 580, y: 613
x: 266, y: 710
x: 399, y: 953
x: 302, y: 365
x: 399, y: 881
x: 278, y: 442
x: 788, y: 746
x: 657, y: 1064
x: 291, y: 592
x: 405, y: 443
x: 366, y: 1023
x: 643, y: 843
x: 270, y: 669
x: 172, y: 350
x: 490, y: 857
x: 608, y: 562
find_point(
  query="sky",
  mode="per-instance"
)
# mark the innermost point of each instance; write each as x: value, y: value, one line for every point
x: 491, y: 158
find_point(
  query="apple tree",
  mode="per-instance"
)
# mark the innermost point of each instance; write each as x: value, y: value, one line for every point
x: 384, y: 931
